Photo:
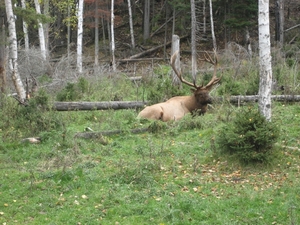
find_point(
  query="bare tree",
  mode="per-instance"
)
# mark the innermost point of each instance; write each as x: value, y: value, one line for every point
x: 41, y: 31
x: 131, y: 24
x: 113, y: 36
x: 279, y: 25
x: 79, y: 35
x: 96, y: 33
x: 193, y: 40
x: 212, y: 25
x: 176, y: 48
x: 2, y: 57
x: 146, y: 24
x: 25, y: 28
x: 265, y: 71
x: 13, y: 53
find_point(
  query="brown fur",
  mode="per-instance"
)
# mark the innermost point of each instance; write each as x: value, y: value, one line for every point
x: 175, y: 108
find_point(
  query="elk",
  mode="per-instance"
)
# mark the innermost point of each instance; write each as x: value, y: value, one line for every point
x: 175, y: 108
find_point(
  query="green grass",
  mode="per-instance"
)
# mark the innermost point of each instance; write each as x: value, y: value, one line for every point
x: 171, y: 176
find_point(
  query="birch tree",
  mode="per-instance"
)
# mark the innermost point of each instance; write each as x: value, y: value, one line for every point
x: 212, y: 25
x: 79, y: 35
x: 96, y: 33
x: 113, y: 36
x: 13, y: 51
x: 193, y: 40
x: 25, y: 28
x: 265, y: 67
x: 131, y: 24
x: 41, y: 31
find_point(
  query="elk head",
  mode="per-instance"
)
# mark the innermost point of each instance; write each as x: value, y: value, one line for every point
x: 201, y: 92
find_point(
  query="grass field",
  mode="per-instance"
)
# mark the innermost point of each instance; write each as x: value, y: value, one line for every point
x: 173, y: 175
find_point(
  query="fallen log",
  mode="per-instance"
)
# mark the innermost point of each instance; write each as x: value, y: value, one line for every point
x: 254, y: 98
x: 70, y: 106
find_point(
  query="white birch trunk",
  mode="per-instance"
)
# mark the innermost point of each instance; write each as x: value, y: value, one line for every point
x: 131, y: 24
x: 193, y: 41
x: 46, y: 27
x: 248, y: 41
x: 176, y: 47
x: 212, y: 25
x: 113, y: 36
x: 41, y: 31
x: 79, y: 35
x: 265, y: 70
x: 25, y: 29
x: 13, y: 54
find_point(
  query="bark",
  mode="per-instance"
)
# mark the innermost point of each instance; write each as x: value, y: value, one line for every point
x: 79, y: 35
x: 212, y: 26
x: 70, y: 106
x: 146, y: 24
x: 117, y: 105
x: 113, y: 37
x: 25, y: 29
x: 176, y: 47
x: 254, y: 98
x: 2, y: 57
x: 131, y: 24
x: 279, y: 21
x: 193, y: 40
x: 248, y: 42
x: 265, y: 71
x: 41, y: 31
x: 96, y: 34
x: 149, y: 51
x: 13, y: 58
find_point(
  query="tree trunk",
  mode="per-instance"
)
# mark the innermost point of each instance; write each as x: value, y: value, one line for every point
x: 14, y: 51
x: 265, y: 70
x: 279, y: 22
x: 212, y: 26
x: 70, y: 106
x: 131, y: 25
x: 79, y: 35
x: 146, y: 24
x: 248, y: 42
x: 193, y: 40
x: 113, y: 37
x: 46, y: 28
x: 176, y: 47
x: 25, y: 29
x: 2, y: 57
x: 96, y: 33
x: 41, y: 31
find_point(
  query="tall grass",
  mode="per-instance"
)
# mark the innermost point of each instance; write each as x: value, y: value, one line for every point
x: 171, y: 175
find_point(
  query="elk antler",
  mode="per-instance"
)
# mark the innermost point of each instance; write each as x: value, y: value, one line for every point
x: 214, y: 80
x: 178, y: 73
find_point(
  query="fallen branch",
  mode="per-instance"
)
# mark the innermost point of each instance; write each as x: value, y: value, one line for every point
x: 70, y: 106
x: 148, y: 51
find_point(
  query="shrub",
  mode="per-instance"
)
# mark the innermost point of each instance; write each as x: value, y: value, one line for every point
x: 73, y: 91
x: 249, y: 136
